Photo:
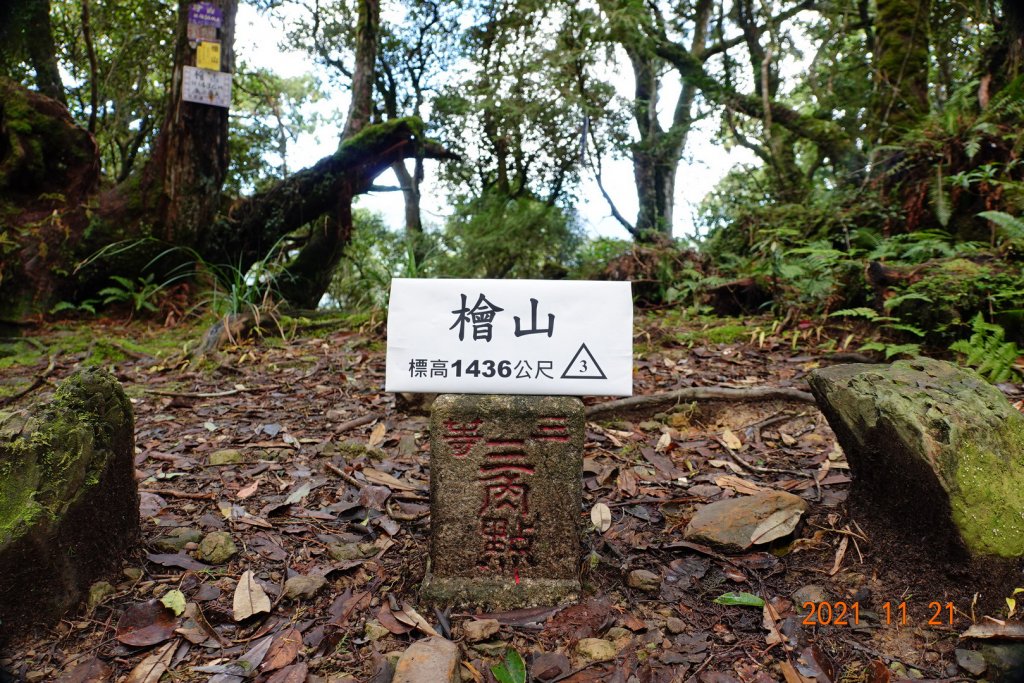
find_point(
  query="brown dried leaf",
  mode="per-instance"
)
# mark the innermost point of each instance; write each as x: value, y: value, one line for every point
x: 1008, y: 631
x: 249, y: 599
x: 388, y: 621
x: 731, y: 441
x: 417, y: 620
x: 776, y: 525
x: 150, y: 669
x: 385, y: 479
x: 738, y: 484
x: 296, y: 673
x: 601, y: 517
x: 840, y: 554
x: 283, y: 651
x: 92, y: 670
x: 377, y: 435
x: 146, y: 623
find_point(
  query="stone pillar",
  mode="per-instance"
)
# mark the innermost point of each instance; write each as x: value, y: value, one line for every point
x: 505, y: 496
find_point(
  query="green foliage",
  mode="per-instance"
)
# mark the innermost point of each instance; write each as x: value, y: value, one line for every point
x: 138, y: 294
x: 376, y: 254
x: 510, y: 670
x: 988, y: 352
x: 133, y: 45
x: 497, y: 236
x: 268, y: 114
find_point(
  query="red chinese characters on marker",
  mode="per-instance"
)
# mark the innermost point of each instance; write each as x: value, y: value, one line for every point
x: 462, y: 436
x: 506, y: 525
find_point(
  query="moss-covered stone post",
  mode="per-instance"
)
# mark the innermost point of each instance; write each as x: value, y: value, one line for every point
x: 505, y: 490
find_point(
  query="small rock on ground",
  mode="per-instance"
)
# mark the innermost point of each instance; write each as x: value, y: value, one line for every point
x: 226, y: 456
x: 812, y: 592
x: 303, y: 586
x: 729, y: 524
x: 644, y: 580
x: 431, y: 660
x: 595, y: 650
x: 482, y: 629
x: 217, y: 547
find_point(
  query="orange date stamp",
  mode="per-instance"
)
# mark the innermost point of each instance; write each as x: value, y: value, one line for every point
x: 841, y: 613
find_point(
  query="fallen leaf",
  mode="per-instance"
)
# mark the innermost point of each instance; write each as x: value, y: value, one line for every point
x: 601, y: 516
x: 180, y: 560
x: 250, y: 598
x: 1006, y: 631
x: 296, y: 673
x: 738, y: 484
x: 663, y: 443
x: 150, y: 669
x: 418, y: 620
x: 248, y: 491
x: 739, y: 599
x: 776, y: 525
x: 731, y: 441
x: 174, y: 600
x: 146, y: 623
x: 377, y: 435
x: 298, y: 494
x: 385, y: 479
x: 840, y: 554
x: 93, y: 670
x: 388, y: 621
x: 283, y: 651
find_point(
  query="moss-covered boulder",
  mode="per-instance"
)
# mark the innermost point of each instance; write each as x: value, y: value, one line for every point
x: 934, y: 446
x: 69, y: 505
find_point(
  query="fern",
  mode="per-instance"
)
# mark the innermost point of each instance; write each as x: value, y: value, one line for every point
x: 940, y: 203
x: 860, y: 312
x: 891, y: 350
x: 1009, y: 225
x: 988, y: 352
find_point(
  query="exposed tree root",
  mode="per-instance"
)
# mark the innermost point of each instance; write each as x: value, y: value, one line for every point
x: 698, y: 394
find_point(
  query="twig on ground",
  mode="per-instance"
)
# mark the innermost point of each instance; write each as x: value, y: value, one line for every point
x: 174, y: 493
x: 756, y: 468
x: 356, y: 422
x: 699, y: 394
x: 210, y: 394
x: 39, y: 381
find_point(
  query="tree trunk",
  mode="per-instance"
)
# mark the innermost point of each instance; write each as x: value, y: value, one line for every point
x: 190, y: 159
x: 305, y: 279
x: 901, y: 67
x: 26, y: 33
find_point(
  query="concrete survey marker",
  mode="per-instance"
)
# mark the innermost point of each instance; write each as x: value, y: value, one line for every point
x: 505, y: 491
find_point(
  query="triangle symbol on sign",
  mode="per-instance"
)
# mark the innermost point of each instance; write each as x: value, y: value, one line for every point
x: 583, y: 366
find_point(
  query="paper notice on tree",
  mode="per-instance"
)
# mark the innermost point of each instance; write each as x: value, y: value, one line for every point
x: 206, y: 87
x: 558, y: 337
x: 208, y: 56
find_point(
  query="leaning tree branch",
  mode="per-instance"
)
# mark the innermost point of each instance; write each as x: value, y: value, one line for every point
x: 827, y: 135
x: 698, y: 394
x: 256, y: 223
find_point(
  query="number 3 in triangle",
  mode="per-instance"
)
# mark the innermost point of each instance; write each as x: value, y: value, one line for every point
x: 583, y: 366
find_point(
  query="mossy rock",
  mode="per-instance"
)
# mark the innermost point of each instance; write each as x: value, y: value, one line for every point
x: 69, y: 504
x: 936, y: 447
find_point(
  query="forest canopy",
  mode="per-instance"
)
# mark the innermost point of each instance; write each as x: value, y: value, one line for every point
x: 885, y: 134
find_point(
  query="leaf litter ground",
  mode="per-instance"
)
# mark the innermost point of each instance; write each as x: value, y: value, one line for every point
x: 321, y: 495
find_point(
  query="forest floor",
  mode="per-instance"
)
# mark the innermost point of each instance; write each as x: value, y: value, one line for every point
x: 328, y: 461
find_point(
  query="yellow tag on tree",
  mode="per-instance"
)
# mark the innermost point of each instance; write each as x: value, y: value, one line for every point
x: 208, y: 56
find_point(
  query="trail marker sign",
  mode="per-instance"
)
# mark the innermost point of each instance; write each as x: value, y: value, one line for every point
x: 205, y: 86
x: 560, y: 337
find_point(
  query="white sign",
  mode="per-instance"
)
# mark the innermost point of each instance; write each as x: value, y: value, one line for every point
x: 560, y: 337
x: 206, y: 87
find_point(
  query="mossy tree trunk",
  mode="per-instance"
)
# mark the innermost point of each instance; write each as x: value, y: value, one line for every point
x: 307, y: 277
x: 186, y: 173
x: 901, y: 67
